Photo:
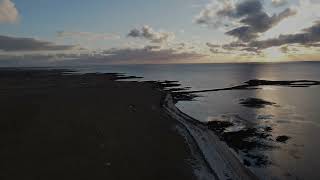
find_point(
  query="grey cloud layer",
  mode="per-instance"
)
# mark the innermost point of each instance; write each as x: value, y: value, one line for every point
x: 214, y: 14
x: 29, y: 44
x: 255, y: 20
x: 148, y: 33
x: 149, y: 54
x: 248, y: 15
x: 309, y: 37
x: 90, y: 36
x: 252, y: 20
x: 279, y: 3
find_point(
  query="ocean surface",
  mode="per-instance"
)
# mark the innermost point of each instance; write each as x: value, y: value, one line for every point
x: 294, y: 112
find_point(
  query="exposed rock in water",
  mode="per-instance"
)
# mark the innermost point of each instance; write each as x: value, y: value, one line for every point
x: 259, y: 160
x: 246, y: 140
x: 219, y: 126
x: 282, y: 139
x: 256, y: 83
x: 304, y: 83
x: 268, y: 129
x: 246, y: 162
x: 255, y: 103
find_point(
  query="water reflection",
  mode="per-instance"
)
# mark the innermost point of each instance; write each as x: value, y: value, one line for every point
x: 299, y: 120
x: 296, y: 113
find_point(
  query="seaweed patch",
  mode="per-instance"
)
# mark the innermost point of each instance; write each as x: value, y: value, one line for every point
x: 255, y: 103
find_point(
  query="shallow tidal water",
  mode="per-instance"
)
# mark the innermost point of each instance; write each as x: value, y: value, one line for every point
x: 293, y: 111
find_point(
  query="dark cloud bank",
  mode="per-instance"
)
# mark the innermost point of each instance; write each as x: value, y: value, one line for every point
x: 308, y: 37
x: 147, y: 55
x: 254, y: 21
x: 29, y: 44
x: 17, y: 51
x: 250, y: 14
x: 146, y: 32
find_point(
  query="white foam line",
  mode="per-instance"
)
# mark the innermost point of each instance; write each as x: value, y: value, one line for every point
x: 220, y: 159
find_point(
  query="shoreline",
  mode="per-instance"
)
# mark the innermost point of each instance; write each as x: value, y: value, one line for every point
x: 216, y: 159
x: 90, y: 126
x: 217, y: 155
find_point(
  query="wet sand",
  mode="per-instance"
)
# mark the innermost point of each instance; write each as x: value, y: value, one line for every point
x: 57, y: 126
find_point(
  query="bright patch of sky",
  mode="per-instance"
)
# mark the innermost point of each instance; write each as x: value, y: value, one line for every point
x: 208, y: 29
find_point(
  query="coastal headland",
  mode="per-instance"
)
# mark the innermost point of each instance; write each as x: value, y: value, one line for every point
x: 59, y: 124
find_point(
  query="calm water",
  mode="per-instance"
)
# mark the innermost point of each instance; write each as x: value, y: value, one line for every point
x: 296, y: 113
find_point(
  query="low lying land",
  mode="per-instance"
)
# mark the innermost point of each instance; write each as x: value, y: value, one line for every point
x: 56, y: 125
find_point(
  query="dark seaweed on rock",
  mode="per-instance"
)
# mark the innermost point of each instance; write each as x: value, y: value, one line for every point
x: 305, y: 83
x: 255, y: 103
x: 182, y: 93
x: 178, y: 96
x: 219, y: 126
x: 246, y: 140
x: 255, y: 83
x: 128, y: 77
x: 282, y: 139
x: 259, y: 160
x: 251, y: 141
x: 174, y: 88
x: 165, y: 84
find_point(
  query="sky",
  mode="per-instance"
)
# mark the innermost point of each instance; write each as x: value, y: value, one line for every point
x: 76, y: 32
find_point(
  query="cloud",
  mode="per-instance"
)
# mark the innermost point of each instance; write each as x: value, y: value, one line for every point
x: 234, y: 46
x: 146, y: 55
x: 247, y: 7
x: 215, y: 14
x: 29, y: 44
x: 244, y: 33
x: 284, y: 49
x: 254, y: 20
x: 8, y: 12
x: 152, y: 47
x: 279, y: 3
x: 259, y: 22
x: 247, y: 18
x: 146, y: 32
x: 308, y: 37
x: 219, y: 51
x: 210, y: 45
x: 90, y: 36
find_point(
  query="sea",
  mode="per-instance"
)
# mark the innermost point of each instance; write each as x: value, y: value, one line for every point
x: 293, y: 112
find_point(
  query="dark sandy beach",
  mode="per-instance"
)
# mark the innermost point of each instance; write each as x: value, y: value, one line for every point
x: 56, y: 126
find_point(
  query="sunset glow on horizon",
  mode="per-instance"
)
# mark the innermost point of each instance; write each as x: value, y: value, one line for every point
x: 181, y: 31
